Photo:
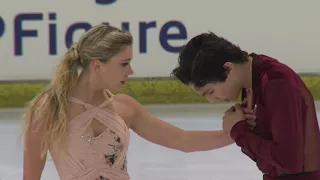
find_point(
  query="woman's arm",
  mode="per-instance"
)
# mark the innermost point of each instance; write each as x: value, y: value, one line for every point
x: 168, y: 135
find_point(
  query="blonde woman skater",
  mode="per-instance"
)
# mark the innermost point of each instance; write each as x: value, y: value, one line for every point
x: 85, y: 127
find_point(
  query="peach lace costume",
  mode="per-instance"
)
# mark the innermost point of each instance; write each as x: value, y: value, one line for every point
x: 102, y: 157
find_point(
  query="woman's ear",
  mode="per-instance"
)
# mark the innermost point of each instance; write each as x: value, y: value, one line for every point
x: 96, y: 65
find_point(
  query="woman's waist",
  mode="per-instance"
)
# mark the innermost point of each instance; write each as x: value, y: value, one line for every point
x: 99, y: 172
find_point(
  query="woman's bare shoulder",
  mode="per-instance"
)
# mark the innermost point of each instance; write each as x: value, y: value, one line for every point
x: 127, y: 107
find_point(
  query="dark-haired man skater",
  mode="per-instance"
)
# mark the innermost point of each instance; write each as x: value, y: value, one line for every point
x: 285, y: 141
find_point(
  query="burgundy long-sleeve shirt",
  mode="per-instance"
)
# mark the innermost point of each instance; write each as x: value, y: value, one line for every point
x: 285, y: 141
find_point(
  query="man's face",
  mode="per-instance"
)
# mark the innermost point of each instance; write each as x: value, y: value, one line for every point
x: 228, y: 90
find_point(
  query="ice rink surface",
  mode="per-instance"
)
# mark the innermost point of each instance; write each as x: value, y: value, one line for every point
x: 147, y: 161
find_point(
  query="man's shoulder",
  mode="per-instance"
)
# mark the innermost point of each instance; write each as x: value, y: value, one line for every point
x: 276, y: 71
x: 279, y: 75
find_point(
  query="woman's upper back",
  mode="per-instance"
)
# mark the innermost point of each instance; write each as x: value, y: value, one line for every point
x: 97, y: 143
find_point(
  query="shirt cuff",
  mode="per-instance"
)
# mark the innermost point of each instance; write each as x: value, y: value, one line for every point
x: 238, y: 130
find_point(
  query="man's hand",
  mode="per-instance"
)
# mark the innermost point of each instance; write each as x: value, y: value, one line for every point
x: 232, y: 116
x: 248, y: 110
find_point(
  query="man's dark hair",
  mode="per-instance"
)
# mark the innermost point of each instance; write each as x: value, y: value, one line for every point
x: 201, y: 60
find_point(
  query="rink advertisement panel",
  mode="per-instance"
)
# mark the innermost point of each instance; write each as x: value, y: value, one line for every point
x: 35, y: 35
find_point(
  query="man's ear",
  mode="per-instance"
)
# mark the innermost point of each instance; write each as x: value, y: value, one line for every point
x: 228, y: 66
